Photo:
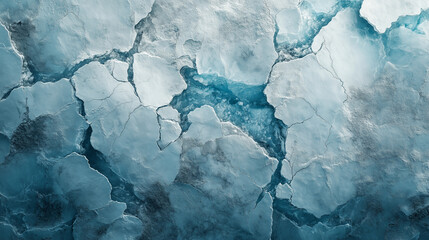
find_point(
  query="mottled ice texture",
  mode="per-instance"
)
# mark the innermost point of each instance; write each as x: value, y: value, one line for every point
x: 248, y: 119
x: 44, y: 117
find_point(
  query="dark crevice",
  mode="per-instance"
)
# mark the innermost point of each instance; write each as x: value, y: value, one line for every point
x: 243, y: 105
x: 121, y: 190
x: 9, y: 92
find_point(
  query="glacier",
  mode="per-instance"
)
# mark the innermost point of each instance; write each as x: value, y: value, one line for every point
x: 249, y: 119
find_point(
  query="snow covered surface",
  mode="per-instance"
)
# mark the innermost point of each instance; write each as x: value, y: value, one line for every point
x: 247, y: 119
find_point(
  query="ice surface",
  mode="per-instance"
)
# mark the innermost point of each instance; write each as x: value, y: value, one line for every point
x: 214, y: 119
x: 381, y: 14
x: 73, y: 176
x: 169, y: 121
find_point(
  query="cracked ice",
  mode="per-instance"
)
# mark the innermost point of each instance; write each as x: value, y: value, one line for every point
x: 250, y: 119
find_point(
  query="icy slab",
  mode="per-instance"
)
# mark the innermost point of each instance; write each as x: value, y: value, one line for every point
x: 283, y: 191
x: 168, y: 119
x: 170, y: 132
x: 161, y: 164
x: 341, y: 39
x: 302, y: 86
x: 168, y: 113
x: 308, y: 98
x: 329, y: 184
x: 204, y: 118
x: 381, y: 14
x: 210, y: 162
x: 10, y: 72
x: 84, y: 186
x: 290, y: 24
x: 320, y: 155
x: 125, y: 131
x: 311, y: 96
x: 226, y: 48
x: 108, y: 103
x: 156, y: 80
x: 137, y: 146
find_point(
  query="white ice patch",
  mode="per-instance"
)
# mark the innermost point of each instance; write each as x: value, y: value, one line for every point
x: 283, y: 191
x: 156, y: 80
x: 342, y: 49
x: 381, y: 14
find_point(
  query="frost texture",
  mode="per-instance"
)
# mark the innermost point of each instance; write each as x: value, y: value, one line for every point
x: 155, y: 119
